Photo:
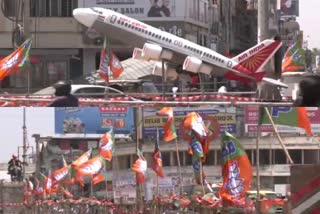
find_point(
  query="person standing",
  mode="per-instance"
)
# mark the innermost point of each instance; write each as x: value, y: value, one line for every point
x: 64, y: 96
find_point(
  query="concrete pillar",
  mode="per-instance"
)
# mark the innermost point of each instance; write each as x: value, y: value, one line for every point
x: 89, y: 61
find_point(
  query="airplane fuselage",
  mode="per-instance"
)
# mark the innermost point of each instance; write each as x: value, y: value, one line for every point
x: 196, y: 57
x: 132, y: 31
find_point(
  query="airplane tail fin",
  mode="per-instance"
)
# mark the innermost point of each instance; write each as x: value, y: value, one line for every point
x: 251, y: 62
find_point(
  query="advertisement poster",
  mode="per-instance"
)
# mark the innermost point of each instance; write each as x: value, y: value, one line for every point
x: 252, y: 113
x: 151, y: 9
x: 124, y: 189
x: 224, y: 117
x: 94, y: 120
x: 290, y: 7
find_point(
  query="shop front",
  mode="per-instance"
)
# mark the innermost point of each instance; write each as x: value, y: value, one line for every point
x: 46, y: 68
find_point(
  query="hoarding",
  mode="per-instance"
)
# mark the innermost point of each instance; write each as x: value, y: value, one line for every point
x: 251, y: 121
x: 225, y: 117
x: 289, y: 7
x: 94, y: 120
x: 151, y: 9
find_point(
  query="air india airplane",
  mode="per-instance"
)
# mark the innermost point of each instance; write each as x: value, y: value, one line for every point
x: 160, y: 45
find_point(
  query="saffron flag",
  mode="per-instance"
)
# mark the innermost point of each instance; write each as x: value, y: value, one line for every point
x: 194, y: 122
x: 100, y: 177
x: 157, y: 159
x: 169, y: 128
x: 82, y: 159
x: 47, y: 185
x: 109, y: 61
x: 38, y: 190
x: 294, y: 58
x: 106, y: 145
x: 16, y: 60
x: 91, y: 167
x: 140, y: 167
x: 104, y: 62
x: 60, y: 174
x: 236, y: 170
x: 288, y: 116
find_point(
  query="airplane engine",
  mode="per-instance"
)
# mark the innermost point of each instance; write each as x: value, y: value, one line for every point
x: 196, y: 65
x: 151, y: 51
x: 155, y: 52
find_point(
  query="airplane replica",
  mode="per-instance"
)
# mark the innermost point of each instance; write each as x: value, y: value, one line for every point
x: 159, y: 45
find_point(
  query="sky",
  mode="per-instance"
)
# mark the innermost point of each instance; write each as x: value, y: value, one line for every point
x: 309, y: 22
x: 38, y: 121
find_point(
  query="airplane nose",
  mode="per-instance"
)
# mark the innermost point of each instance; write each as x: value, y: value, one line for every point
x: 85, y: 16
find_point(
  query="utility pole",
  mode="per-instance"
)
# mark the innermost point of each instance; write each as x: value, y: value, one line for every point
x: 26, y: 18
x: 24, y: 154
x: 227, y: 16
x: 139, y: 137
x: 26, y: 33
x: 266, y: 91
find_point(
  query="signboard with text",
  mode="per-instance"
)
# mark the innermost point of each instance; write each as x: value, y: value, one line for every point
x: 150, y: 8
x: 225, y: 117
x: 94, y: 120
x: 251, y: 121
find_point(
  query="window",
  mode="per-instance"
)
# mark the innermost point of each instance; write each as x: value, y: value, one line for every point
x: 165, y: 158
x: 264, y: 157
x: 9, y: 8
x: 52, y: 8
x: 56, y: 71
x: 90, y: 92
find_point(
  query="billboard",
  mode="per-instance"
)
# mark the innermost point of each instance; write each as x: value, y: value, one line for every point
x: 92, y: 120
x: 251, y: 121
x: 225, y: 118
x: 289, y: 7
x: 160, y: 9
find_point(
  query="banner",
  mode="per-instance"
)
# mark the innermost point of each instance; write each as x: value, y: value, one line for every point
x: 225, y: 117
x: 90, y: 120
x: 124, y: 189
x: 252, y: 113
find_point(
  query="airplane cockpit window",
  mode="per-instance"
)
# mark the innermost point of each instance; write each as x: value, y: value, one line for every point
x: 96, y: 10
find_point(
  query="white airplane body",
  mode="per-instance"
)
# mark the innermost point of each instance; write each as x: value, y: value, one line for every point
x: 158, y: 44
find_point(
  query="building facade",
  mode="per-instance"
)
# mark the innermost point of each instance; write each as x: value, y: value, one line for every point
x: 64, y: 49
x: 274, y: 165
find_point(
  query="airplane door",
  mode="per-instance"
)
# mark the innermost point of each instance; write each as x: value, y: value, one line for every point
x: 113, y: 19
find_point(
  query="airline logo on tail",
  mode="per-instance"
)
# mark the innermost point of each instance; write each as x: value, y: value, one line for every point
x: 252, y: 61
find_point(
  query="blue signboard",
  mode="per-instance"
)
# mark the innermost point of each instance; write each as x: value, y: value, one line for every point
x: 94, y: 120
x: 224, y: 117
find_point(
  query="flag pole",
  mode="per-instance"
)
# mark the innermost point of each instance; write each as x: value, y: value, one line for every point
x: 258, y: 164
x: 157, y: 179
x: 179, y: 167
x: 278, y: 136
x: 201, y: 178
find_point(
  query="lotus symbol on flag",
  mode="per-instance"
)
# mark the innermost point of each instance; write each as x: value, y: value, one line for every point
x: 234, y: 182
x: 106, y: 145
x: 92, y: 168
x: 11, y: 62
x: 61, y: 174
x: 199, y: 127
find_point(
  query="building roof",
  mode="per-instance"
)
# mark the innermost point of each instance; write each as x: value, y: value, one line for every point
x: 135, y: 69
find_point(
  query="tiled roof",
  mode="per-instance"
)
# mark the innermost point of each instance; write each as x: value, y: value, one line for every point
x: 135, y: 69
